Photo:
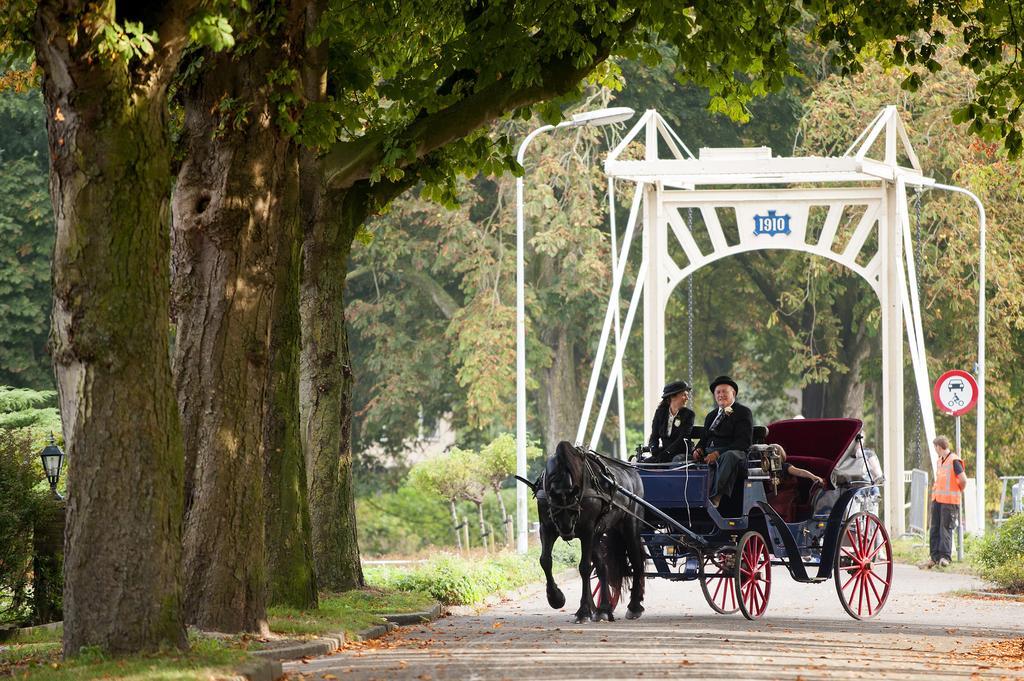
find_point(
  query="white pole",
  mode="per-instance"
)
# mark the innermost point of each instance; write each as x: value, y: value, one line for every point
x: 522, y: 538
x: 980, y: 461
x: 623, y: 454
x: 600, y: 117
x: 960, y: 508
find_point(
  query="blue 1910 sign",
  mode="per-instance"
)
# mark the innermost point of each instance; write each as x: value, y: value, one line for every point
x: 771, y: 224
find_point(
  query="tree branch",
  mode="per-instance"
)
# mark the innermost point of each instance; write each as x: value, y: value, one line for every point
x: 350, y: 162
x: 445, y: 302
x: 172, y: 34
x: 770, y: 293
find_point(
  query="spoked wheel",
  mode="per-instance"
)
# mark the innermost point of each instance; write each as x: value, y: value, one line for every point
x: 753, y: 575
x: 717, y: 581
x: 596, y: 581
x: 863, y: 565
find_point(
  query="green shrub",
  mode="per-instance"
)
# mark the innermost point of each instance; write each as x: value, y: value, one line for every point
x: 1000, y: 555
x: 20, y: 502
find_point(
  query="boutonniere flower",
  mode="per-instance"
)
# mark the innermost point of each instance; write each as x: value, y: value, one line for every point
x: 677, y: 422
x: 728, y: 411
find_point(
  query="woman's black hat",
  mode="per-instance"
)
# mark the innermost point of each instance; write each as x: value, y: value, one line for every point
x: 726, y: 381
x: 675, y: 387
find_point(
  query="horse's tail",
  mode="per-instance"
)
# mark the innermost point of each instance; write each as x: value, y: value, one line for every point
x: 613, y: 554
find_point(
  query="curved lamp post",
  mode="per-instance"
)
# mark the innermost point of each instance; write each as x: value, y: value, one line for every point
x: 598, y: 117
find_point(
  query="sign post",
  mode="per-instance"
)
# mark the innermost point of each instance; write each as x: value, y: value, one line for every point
x: 955, y: 394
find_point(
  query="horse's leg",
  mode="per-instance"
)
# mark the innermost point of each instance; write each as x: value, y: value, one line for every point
x: 586, y: 610
x: 548, y: 535
x: 635, y: 547
x: 605, y: 610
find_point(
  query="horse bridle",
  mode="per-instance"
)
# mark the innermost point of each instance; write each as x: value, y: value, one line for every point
x: 575, y: 504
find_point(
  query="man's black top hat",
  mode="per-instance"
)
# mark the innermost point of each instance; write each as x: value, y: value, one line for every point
x: 724, y: 380
x: 675, y: 387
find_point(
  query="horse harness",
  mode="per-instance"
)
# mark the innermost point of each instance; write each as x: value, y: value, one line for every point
x: 604, y: 491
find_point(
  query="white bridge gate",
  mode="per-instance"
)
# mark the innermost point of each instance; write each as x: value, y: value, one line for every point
x: 777, y: 203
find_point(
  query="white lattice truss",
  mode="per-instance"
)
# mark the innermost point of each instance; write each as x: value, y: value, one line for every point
x: 769, y: 203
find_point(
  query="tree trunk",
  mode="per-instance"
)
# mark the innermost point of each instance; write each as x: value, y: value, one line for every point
x: 504, y: 515
x: 455, y: 525
x: 330, y: 224
x: 560, y: 399
x: 483, y: 525
x: 110, y: 180
x: 843, y: 395
x: 288, y: 532
x: 235, y: 208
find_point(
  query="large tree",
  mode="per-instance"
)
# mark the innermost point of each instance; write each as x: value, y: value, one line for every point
x: 105, y: 87
x: 236, y: 273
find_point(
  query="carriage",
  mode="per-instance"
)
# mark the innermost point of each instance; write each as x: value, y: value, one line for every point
x: 816, y: 532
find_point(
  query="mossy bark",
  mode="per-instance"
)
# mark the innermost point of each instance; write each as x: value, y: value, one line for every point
x: 110, y: 181
x: 289, y: 545
x: 235, y: 258
x: 331, y: 221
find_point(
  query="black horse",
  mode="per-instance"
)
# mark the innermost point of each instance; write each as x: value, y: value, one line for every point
x: 575, y: 500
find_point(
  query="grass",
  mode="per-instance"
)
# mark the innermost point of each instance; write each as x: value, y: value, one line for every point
x: 36, y: 654
x: 914, y: 551
x: 37, y: 635
x: 206, y: 659
x: 350, y: 612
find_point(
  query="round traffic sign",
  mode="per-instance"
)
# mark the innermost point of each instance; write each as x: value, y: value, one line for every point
x: 956, y: 392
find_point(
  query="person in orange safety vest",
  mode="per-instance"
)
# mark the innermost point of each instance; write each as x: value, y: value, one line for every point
x: 950, y: 481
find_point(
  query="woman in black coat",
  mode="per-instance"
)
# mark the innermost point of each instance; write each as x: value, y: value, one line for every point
x: 670, y: 428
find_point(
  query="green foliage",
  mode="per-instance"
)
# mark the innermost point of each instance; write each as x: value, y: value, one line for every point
x: 126, y: 41
x: 33, y: 410
x: 403, y: 522
x: 459, y: 581
x: 417, y: 516
x: 212, y: 30
x: 20, y: 503
x: 498, y: 458
x: 26, y: 241
x: 1000, y: 555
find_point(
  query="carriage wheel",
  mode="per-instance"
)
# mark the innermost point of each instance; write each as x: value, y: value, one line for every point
x: 596, y: 594
x: 717, y: 582
x: 863, y: 565
x: 753, y: 574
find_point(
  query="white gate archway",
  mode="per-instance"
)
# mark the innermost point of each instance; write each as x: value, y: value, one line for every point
x: 778, y: 203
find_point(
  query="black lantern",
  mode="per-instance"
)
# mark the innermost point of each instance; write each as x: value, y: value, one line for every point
x: 52, y: 458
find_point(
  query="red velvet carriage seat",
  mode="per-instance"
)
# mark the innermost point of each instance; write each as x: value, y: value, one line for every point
x: 812, y: 444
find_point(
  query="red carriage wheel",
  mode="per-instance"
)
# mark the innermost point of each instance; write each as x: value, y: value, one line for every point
x: 596, y: 594
x: 753, y: 574
x: 862, y: 568
x: 717, y: 582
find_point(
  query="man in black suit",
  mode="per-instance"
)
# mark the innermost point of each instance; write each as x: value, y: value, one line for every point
x: 728, y: 432
x: 670, y: 428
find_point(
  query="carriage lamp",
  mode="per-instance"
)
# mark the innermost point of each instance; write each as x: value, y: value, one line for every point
x: 52, y: 458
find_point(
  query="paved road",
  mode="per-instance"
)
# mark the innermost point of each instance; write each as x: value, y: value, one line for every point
x: 922, y: 634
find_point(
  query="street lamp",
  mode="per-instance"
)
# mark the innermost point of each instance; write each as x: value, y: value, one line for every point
x: 52, y: 458
x: 598, y: 117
